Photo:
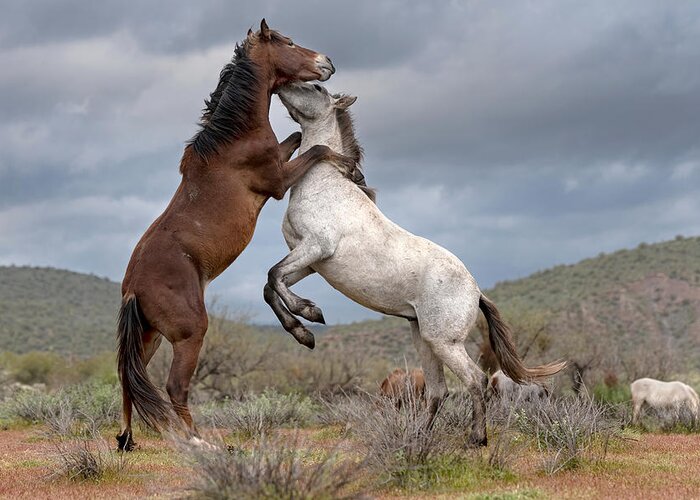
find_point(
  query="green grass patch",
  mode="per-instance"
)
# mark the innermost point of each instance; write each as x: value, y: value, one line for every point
x: 451, y: 473
x: 517, y: 494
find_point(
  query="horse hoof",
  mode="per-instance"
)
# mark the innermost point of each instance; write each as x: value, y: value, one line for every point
x: 304, y: 337
x: 125, y: 442
x: 312, y: 313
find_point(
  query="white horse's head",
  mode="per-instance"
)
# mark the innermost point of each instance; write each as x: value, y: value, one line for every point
x: 308, y: 103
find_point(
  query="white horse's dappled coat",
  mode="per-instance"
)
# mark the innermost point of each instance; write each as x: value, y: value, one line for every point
x: 334, y: 228
x: 663, y: 396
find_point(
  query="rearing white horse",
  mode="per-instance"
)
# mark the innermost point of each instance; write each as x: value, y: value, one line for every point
x: 333, y: 227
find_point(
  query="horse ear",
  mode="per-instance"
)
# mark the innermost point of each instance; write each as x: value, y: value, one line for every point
x: 250, y: 33
x: 344, y: 101
x: 264, y: 29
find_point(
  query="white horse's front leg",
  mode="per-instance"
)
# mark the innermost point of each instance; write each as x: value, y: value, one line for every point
x: 289, y: 322
x: 278, y: 278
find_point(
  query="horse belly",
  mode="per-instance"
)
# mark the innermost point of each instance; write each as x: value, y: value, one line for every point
x: 376, y: 284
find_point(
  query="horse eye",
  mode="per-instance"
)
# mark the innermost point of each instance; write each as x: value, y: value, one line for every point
x: 318, y: 87
x: 291, y: 44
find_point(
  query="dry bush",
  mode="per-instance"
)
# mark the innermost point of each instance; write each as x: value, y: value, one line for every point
x: 506, y: 443
x: 325, y: 373
x: 88, y: 406
x: 401, y: 444
x: 260, y: 413
x: 676, y: 419
x: 272, y: 469
x: 567, y: 430
x: 88, y: 459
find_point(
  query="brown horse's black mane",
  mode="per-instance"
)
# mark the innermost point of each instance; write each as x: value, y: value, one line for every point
x: 225, y: 116
x: 353, y: 149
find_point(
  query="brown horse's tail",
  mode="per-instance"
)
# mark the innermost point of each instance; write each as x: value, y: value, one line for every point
x: 501, y: 341
x: 132, y: 372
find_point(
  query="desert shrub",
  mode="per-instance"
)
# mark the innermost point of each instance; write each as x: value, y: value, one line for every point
x: 36, y: 367
x: 332, y: 371
x: 53, y: 370
x: 505, y: 441
x: 31, y: 405
x: 260, y: 413
x: 91, y: 405
x: 88, y: 459
x: 271, y: 469
x: 677, y: 419
x: 96, y: 404
x: 401, y: 444
x: 101, y: 369
x: 567, y: 430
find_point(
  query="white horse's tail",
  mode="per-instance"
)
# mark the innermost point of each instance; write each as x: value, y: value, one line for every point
x: 502, y: 344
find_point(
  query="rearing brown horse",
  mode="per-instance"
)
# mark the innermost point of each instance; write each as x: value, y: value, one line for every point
x: 229, y: 170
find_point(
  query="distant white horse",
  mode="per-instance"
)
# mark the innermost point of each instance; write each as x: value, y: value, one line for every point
x: 503, y: 386
x: 333, y: 227
x: 663, y: 396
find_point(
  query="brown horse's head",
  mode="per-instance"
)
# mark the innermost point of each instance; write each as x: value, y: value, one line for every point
x: 289, y: 62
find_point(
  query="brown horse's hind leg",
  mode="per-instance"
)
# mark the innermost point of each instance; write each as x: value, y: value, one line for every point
x: 185, y: 355
x: 125, y: 440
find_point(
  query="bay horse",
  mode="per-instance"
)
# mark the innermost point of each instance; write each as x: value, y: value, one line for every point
x: 230, y: 168
x: 404, y: 387
x: 332, y: 226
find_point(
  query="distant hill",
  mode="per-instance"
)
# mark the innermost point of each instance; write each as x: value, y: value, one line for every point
x: 650, y: 292
x: 54, y: 310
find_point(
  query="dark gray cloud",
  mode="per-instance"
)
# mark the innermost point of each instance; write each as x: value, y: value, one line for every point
x: 519, y: 135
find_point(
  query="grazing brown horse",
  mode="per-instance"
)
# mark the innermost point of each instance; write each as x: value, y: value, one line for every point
x: 229, y: 170
x: 404, y: 387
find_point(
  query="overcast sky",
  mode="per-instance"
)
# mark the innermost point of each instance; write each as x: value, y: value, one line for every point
x: 517, y: 134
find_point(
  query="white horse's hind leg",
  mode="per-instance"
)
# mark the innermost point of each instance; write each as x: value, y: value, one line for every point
x: 435, y: 385
x: 456, y: 358
x: 446, y: 338
x: 300, y: 258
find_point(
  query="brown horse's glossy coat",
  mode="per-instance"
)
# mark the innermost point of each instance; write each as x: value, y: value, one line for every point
x: 229, y: 170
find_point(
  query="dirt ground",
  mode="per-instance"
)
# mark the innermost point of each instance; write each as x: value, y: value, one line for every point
x: 651, y: 466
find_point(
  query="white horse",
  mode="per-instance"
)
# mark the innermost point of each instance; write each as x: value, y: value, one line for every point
x: 663, y: 396
x: 504, y: 387
x: 333, y: 227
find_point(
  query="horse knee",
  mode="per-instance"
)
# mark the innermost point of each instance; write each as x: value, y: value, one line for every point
x: 274, y: 276
x: 268, y: 292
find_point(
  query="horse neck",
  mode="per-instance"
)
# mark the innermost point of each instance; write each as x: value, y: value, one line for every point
x: 325, y: 132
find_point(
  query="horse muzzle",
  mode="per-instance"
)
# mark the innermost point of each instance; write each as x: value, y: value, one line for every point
x: 325, y: 67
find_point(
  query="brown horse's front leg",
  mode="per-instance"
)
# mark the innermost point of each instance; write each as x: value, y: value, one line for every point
x: 293, y: 170
x: 289, y: 145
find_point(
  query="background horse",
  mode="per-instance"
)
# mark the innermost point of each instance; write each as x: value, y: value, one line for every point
x: 502, y: 386
x: 663, y: 396
x: 229, y: 170
x: 404, y: 387
x: 334, y: 228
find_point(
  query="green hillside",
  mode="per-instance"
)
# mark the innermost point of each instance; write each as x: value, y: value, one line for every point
x: 649, y: 295
x: 54, y: 310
